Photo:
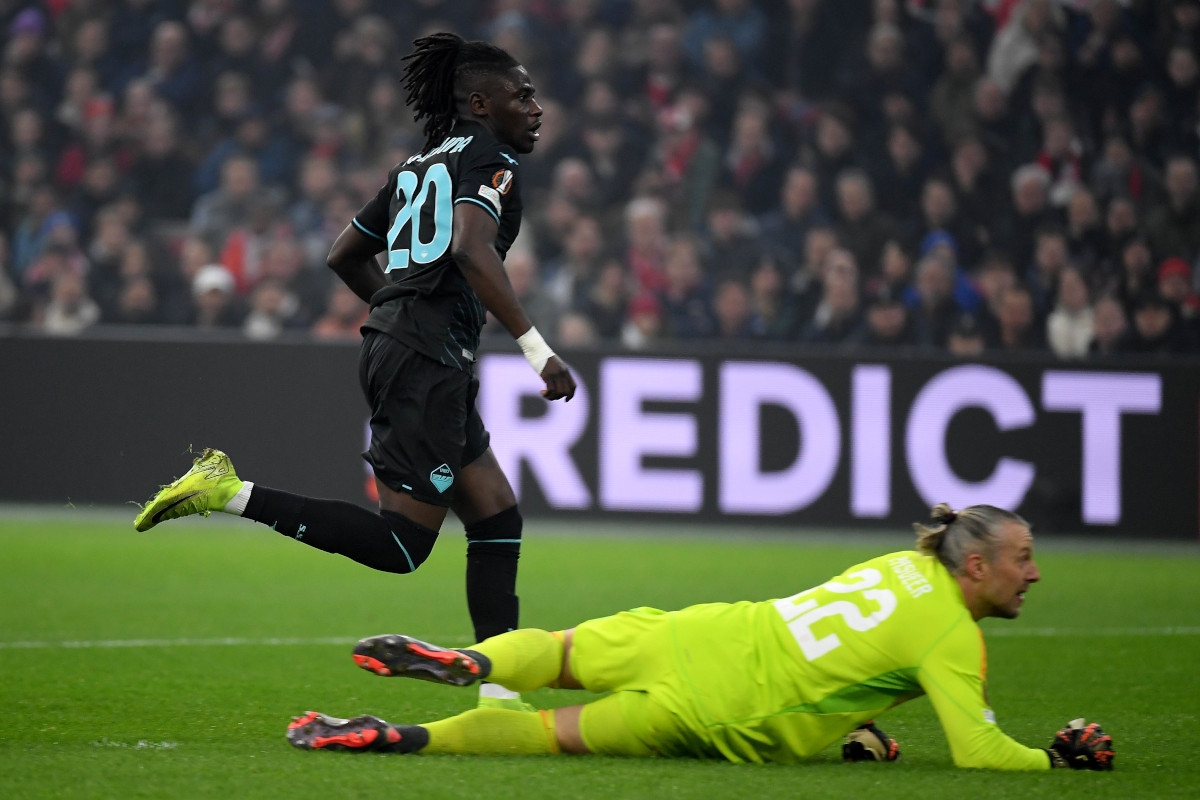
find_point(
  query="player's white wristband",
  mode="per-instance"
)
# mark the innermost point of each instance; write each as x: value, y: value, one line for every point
x: 536, y: 351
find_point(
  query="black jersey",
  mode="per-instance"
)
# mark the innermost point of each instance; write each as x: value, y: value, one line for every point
x: 428, y: 304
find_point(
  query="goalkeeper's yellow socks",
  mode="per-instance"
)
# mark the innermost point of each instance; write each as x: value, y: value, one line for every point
x: 493, y: 731
x: 523, y: 660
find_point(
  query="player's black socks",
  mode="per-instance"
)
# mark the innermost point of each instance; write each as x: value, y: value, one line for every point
x: 389, y: 542
x: 493, y: 547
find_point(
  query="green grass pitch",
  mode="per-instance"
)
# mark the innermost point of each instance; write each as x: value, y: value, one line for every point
x: 167, y: 664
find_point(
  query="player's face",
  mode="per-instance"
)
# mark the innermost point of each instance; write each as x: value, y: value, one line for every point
x: 514, y: 112
x: 1010, y: 571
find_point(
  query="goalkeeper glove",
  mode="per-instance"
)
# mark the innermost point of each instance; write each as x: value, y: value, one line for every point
x: 1081, y: 746
x: 868, y: 743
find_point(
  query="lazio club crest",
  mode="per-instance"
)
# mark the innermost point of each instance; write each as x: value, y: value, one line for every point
x: 441, y: 478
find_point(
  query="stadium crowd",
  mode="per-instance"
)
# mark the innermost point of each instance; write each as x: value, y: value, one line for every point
x: 963, y: 175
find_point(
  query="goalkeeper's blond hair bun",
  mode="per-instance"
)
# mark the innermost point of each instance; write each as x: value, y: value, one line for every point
x: 954, y: 535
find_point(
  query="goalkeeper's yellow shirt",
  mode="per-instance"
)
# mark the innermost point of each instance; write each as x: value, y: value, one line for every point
x: 792, y: 676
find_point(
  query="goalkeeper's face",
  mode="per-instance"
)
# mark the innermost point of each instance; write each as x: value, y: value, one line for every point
x: 1010, y: 572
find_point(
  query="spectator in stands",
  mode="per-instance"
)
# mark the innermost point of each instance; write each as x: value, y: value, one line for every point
x: 1183, y: 87
x: 1148, y: 135
x: 1061, y: 156
x: 1175, y: 284
x: 733, y: 313
x: 1084, y: 236
x: 172, y: 71
x: 613, y: 158
x: 235, y: 54
x: 216, y: 214
x: 861, y: 228
x: 886, y: 322
x: 731, y: 246
x: 524, y: 274
x: 214, y: 300
x: 994, y: 122
x: 742, y: 22
x: 274, y: 309
x: 977, y: 191
x: 886, y: 74
x: 646, y: 243
x: 831, y: 151
x: 232, y: 100
x: 1050, y: 258
x: 70, y: 309
x: 363, y: 50
x: 570, y: 277
x: 685, y: 162
x: 136, y: 304
x: 839, y: 314
x: 1174, y: 226
x: 33, y: 231
x: 1136, y: 274
x: 344, y: 315
x: 1118, y: 172
x: 1120, y: 225
x: 575, y: 329
x: 606, y: 299
x: 966, y: 338
x: 1015, y: 47
x: 931, y: 301
x: 1106, y: 105
x: 90, y: 48
x: 784, y: 230
x: 1157, y: 329
x: 901, y: 176
x: 754, y: 167
x: 806, y: 285
x: 1070, y: 326
x: 255, y: 136
x: 645, y: 322
x: 9, y: 297
x: 939, y: 213
x: 1018, y: 327
x: 1109, y: 327
x: 686, y: 298
x: 161, y: 167
x: 953, y: 93
x: 1030, y: 211
x: 27, y: 50
x: 768, y: 298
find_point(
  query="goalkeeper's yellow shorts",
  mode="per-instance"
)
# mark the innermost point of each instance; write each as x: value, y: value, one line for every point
x: 651, y: 713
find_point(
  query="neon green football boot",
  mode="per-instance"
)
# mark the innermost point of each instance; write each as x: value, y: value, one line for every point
x: 203, y: 489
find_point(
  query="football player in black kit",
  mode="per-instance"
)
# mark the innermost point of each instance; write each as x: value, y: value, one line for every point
x: 444, y: 221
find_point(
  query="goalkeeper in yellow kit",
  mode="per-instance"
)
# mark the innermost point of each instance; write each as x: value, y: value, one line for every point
x: 753, y: 681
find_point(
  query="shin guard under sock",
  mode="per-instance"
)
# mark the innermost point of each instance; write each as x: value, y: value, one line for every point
x: 389, y: 542
x: 493, y: 547
x: 493, y: 731
x: 523, y: 660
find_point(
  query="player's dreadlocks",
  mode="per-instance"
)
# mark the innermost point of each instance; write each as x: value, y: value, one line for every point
x: 435, y: 73
x: 956, y: 534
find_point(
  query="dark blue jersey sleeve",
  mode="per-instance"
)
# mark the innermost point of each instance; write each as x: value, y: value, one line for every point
x: 489, y: 180
x: 375, y: 216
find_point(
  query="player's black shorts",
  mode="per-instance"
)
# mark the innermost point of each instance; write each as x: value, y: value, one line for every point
x: 424, y: 426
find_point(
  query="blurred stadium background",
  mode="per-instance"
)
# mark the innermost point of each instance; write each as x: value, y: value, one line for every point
x: 814, y: 262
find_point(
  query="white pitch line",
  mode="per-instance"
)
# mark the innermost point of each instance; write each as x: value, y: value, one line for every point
x: 1169, y: 630
x: 222, y: 642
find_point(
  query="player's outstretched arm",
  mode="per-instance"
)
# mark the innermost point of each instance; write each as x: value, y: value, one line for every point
x: 352, y: 257
x: 475, y: 253
x: 1082, y: 746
